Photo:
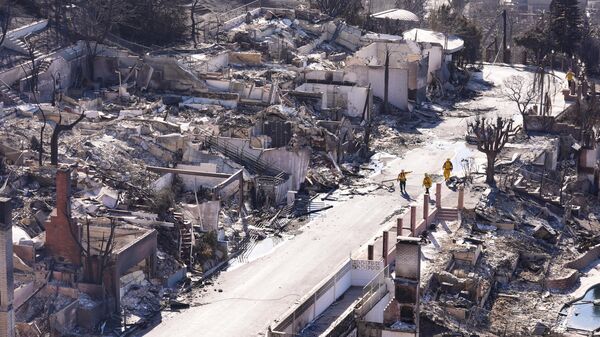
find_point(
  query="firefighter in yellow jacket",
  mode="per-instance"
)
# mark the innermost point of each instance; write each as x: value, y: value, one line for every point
x: 447, y: 169
x: 427, y: 183
x: 402, y: 180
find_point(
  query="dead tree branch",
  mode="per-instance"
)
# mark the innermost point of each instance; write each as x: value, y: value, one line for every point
x: 5, y: 17
x: 491, y: 139
x: 33, y: 68
x: 522, y: 92
x: 58, y: 129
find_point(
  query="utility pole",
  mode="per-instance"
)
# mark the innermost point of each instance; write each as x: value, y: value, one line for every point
x: 541, y: 107
x: 386, y: 79
x: 505, y: 52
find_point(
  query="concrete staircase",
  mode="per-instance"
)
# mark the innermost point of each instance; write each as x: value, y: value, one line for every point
x: 250, y: 162
x: 14, y: 37
x: 42, y: 66
x: 186, y: 243
x: 9, y: 96
x: 201, y: 10
x: 19, y: 46
x: 447, y: 214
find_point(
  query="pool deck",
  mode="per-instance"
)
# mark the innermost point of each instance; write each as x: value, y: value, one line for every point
x: 589, y: 278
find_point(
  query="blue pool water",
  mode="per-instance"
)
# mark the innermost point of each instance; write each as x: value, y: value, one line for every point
x: 583, y: 314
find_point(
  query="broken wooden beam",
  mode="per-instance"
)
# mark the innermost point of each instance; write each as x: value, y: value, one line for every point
x: 187, y: 172
x: 236, y: 176
x: 315, y: 211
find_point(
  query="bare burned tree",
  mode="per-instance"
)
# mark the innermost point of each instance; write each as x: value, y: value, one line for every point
x: 339, y: 8
x: 5, y: 16
x: 89, y: 252
x: 92, y: 22
x: 491, y: 138
x: 415, y: 6
x: 386, y: 82
x: 588, y: 109
x: 58, y: 129
x: 32, y: 67
x: 521, y: 91
x: 193, y: 19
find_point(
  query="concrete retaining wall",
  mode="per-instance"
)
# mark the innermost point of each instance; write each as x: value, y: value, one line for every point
x: 350, y: 98
x: 563, y: 283
x: 583, y: 261
x: 23, y: 31
x: 315, y: 302
x: 577, y: 266
x: 65, y: 319
x: 350, y: 273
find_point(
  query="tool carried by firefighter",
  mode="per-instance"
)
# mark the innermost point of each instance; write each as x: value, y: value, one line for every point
x: 402, y: 180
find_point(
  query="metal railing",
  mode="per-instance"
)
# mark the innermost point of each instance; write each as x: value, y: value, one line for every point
x: 252, y: 163
x: 372, y: 288
x: 549, y: 187
x: 233, y: 13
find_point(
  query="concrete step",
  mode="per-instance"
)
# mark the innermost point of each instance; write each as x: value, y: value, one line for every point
x: 10, y: 96
x: 447, y: 214
x: 447, y: 211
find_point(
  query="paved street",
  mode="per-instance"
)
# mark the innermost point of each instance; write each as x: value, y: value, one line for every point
x: 258, y: 292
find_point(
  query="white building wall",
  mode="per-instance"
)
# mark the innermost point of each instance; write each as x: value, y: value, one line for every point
x: 376, y: 314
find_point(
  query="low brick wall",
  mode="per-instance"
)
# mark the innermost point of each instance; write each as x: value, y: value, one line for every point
x: 584, y: 260
x: 422, y: 225
x: 577, y: 266
x: 563, y: 283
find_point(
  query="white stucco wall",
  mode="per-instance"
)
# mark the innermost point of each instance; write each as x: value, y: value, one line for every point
x: 376, y: 314
x: 351, y: 98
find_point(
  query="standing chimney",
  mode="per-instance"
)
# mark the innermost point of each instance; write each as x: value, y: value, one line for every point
x: 7, y: 315
x: 62, y: 232
x: 63, y: 192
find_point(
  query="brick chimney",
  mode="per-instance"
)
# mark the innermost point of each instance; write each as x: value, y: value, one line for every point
x: 63, y: 191
x: 7, y: 316
x: 407, y: 280
x: 62, y: 233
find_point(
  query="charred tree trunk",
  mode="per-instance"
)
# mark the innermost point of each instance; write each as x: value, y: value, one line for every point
x: 54, y: 145
x: 491, y: 139
x: 386, y: 84
x: 41, y: 147
x: 58, y: 129
x: 5, y: 16
x: 193, y: 18
x: 90, y: 61
x: 490, y: 170
x: 32, y: 81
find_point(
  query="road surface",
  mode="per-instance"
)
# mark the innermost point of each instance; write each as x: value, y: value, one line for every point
x: 260, y: 291
x: 255, y: 294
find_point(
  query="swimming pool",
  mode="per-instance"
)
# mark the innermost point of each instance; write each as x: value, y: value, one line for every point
x: 583, y: 314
